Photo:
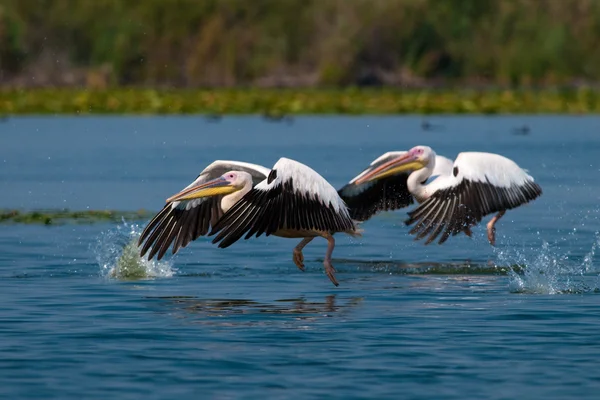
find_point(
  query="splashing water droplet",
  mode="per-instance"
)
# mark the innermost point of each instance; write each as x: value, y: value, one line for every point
x: 117, y: 254
x: 589, y: 257
x: 546, y: 271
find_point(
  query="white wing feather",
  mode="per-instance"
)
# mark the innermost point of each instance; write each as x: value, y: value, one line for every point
x: 490, y: 168
x: 305, y: 180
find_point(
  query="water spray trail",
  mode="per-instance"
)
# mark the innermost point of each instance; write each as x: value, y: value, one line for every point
x: 549, y: 271
x: 117, y: 255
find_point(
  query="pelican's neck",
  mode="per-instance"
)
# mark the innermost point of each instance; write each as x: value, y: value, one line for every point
x: 229, y: 200
x: 416, y: 181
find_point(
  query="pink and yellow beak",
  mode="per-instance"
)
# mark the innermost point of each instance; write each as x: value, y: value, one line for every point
x: 215, y: 187
x: 403, y: 163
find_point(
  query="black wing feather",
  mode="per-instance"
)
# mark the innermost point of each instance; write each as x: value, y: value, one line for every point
x: 460, y: 207
x: 281, y: 207
x: 178, y: 226
x: 387, y: 194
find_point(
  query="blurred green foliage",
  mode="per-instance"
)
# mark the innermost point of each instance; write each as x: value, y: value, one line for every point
x: 280, y: 102
x: 211, y: 43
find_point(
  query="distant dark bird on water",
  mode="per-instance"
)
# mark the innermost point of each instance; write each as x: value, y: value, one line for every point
x: 428, y: 126
x: 453, y: 196
x: 212, y: 117
x: 522, y: 130
x: 276, y: 117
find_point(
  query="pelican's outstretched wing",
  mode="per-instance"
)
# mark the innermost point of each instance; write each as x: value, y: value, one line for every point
x: 367, y: 199
x: 480, y: 184
x: 293, y: 197
x: 184, y: 221
x: 386, y: 194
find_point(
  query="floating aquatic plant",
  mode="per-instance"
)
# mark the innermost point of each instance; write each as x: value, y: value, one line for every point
x: 58, y: 217
x: 276, y: 104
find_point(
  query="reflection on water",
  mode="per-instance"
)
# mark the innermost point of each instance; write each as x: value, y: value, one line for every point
x: 187, y: 307
x: 257, y: 327
x: 427, y: 268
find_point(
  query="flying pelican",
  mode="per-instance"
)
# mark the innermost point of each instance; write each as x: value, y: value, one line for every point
x: 477, y: 184
x: 291, y: 200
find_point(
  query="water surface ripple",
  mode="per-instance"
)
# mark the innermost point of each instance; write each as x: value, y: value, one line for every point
x: 461, y: 320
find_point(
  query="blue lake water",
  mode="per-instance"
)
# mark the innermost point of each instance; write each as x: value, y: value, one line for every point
x: 407, y: 321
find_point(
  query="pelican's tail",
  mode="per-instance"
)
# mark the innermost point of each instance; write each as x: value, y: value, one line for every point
x: 358, y: 231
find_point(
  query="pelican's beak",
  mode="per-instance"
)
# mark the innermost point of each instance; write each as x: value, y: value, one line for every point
x: 207, y: 189
x: 405, y: 162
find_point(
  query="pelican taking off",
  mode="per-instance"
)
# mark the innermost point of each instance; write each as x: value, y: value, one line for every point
x: 477, y: 184
x: 291, y: 201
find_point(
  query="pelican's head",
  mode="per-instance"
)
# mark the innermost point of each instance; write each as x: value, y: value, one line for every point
x: 416, y: 158
x: 227, y: 183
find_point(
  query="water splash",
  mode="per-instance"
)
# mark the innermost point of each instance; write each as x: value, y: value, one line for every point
x: 117, y: 254
x: 588, y: 260
x: 545, y: 270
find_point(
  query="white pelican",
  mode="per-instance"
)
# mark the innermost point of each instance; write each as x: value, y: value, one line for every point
x: 477, y: 184
x: 291, y: 201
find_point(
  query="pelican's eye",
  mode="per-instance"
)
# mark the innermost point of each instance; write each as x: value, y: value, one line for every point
x: 231, y: 176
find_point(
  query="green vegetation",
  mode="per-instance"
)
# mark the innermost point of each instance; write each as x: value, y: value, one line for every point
x: 58, y: 217
x: 278, y: 103
x: 324, y: 43
x: 230, y: 56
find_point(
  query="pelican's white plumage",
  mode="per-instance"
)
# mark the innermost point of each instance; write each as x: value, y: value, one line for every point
x: 498, y: 170
x: 478, y: 167
x: 305, y: 181
x: 443, y: 166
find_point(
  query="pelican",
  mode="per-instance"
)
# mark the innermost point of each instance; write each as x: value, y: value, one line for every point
x: 291, y: 200
x: 452, y: 197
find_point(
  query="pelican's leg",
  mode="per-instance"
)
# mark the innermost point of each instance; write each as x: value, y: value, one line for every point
x: 329, y: 270
x: 298, y: 256
x: 491, y: 228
